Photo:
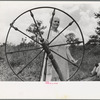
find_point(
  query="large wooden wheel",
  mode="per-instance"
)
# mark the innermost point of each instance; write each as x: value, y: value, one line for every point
x: 26, y: 61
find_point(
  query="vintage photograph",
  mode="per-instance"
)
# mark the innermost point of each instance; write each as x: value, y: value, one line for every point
x: 49, y: 41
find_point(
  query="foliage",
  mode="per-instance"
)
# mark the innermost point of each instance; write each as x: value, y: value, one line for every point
x: 36, y: 29
x: 32, y: 73
x: 33, y: 70
x: 71, y: 39
x: 94, y: 40
x: 97, y: 15
x: 92, y: 56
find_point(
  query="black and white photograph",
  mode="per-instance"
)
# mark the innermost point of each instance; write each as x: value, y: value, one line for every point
x: 52, y: 43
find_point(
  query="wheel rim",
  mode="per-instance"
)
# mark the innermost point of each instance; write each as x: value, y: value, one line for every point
x: 79, y: 66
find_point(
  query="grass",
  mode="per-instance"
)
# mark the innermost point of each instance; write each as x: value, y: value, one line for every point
x: 33, y: 70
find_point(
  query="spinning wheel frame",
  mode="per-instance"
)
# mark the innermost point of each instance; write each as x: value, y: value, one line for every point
x: 42, y: 41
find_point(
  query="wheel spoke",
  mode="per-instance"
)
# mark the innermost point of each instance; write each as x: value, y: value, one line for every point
x: 32, y: 15
x: 29, y: 62
x: 64, y: 58
x: 53, y: 13
x: 44, y: 65
x: 65, y: 44
x: 22, y: 50
x: 23, y: 33
x: 45, y: 70
x: 41, y: 72
x: 62, y: 31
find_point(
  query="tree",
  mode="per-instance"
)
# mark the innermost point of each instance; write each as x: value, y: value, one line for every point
x: 23, y: 42
x: 94, y: 39
x: 36, y: 29
x: 97, y: 15
x: 76, y: 40
x: 71, y: 39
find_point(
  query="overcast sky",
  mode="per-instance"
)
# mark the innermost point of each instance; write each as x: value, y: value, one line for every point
x: 82, y: 12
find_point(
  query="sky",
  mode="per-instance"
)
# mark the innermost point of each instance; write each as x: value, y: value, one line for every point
x: 82, y: 12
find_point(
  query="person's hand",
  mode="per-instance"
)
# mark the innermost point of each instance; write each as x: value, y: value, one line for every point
x: 74, y: 61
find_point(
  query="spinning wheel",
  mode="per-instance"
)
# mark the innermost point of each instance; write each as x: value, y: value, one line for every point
x: 26, y: 61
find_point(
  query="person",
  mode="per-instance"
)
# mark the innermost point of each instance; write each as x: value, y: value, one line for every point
x: 96, y: 70
x: 64, y: 51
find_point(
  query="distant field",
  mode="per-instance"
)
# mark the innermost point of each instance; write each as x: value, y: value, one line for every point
x: 32, y: 72
x: 92, y: 56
